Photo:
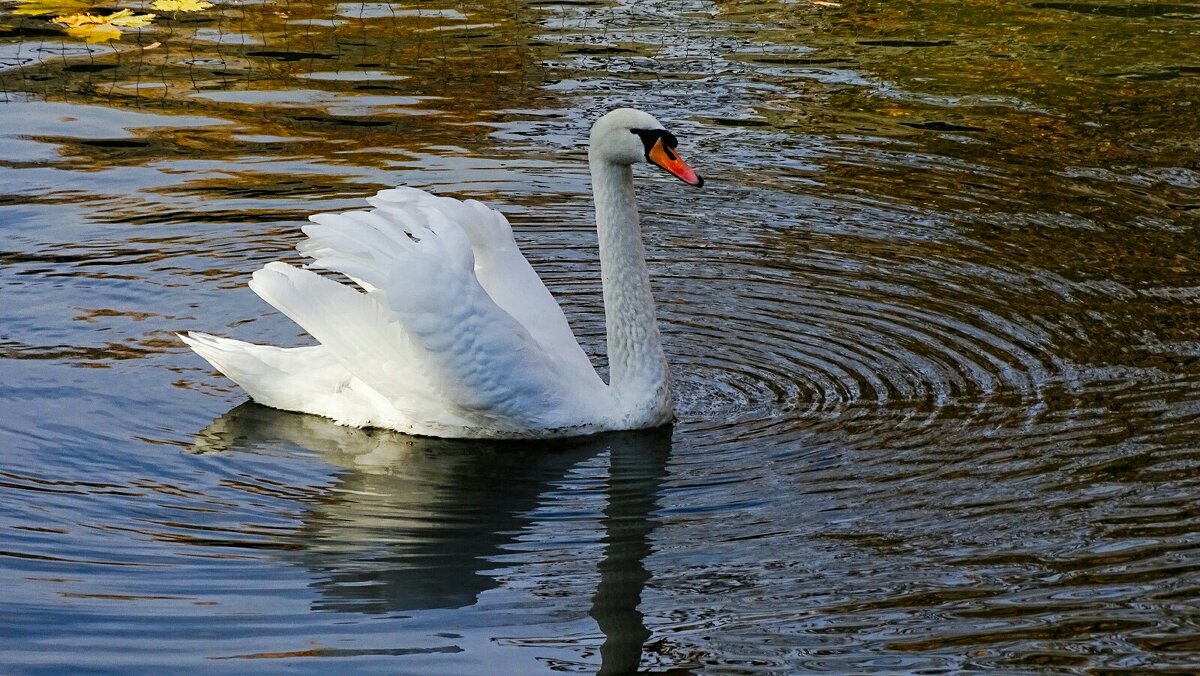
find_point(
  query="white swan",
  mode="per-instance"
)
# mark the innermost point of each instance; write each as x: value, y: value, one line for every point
x: 452, y: 333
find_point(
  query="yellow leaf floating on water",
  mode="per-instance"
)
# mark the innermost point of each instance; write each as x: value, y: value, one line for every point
x: 43, y: 7
x: 95, y: 32
x: 102, y: 28
x: 180, y: 5
x: 77, y: 20
x: 127, y: 19
x: 124, y: 18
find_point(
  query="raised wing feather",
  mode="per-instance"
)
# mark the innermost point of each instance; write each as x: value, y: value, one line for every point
x: 500, y: 268
x: 364, y: 336
x: 474, y: 355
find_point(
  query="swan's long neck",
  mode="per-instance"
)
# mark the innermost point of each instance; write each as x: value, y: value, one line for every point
x: 637, y: 367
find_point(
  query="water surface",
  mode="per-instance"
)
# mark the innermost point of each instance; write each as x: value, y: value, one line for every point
x: 933, y: 324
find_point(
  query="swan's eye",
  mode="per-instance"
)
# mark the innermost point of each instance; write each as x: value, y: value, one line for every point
x: 648, y: 137
x: 651, y: 136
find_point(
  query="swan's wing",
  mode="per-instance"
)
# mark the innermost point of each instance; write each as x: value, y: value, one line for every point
x: 366, y: 339
x: 473, y: 354
x: 501, y: 269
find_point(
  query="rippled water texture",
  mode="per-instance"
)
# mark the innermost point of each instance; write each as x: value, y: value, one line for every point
x: 933, y: 324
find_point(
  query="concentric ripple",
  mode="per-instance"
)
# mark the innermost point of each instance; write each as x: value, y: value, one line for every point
x: 800, y: 324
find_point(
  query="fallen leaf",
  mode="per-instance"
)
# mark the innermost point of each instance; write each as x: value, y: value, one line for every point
x: 95, y: 32
x: 102, y: 28
x: 127, y: 19
x: 180, y: 5
x: 77, y: 20
x: 152, y: 45
x: 43, y: 7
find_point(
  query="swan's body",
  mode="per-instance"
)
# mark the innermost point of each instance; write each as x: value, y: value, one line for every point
x: 451, y: 333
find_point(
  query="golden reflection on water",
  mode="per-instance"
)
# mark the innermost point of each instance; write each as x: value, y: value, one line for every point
x: 330, y: 78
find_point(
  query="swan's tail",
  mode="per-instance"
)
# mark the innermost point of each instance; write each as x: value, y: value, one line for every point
x: 233, y: 358
x: 273, y: 376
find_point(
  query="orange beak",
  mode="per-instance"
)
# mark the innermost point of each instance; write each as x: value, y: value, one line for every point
x: 670, y: 160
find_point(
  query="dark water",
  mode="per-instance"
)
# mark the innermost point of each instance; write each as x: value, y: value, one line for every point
x: 934, y: 322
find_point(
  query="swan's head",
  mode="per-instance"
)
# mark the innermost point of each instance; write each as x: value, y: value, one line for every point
x: 628, y: 136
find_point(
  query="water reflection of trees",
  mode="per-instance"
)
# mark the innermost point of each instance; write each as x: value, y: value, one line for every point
x: 367, y: 73
x: 1055, y: 138
x: 417, y: 523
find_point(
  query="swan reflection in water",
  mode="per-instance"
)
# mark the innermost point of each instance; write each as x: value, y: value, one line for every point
x: 414, y: 523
